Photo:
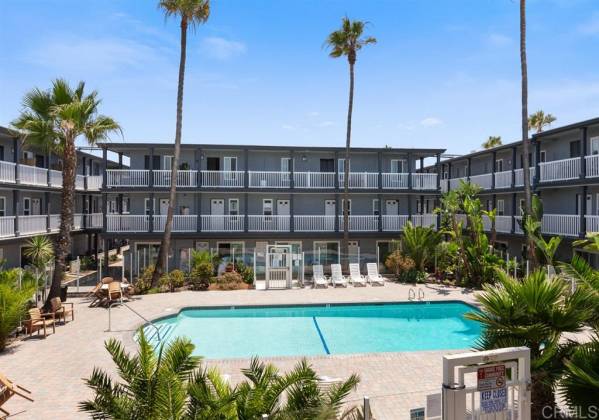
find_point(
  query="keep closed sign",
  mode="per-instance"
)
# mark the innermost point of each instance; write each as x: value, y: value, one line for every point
x: 491, y: 383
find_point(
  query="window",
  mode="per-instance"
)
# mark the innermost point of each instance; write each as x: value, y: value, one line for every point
x: 341, y: 165
x: 575, y: 148
x: 26, y: 206
x: 147, y: 206
x: 376, y: 207
x: 543, y: 156
x: 326, y: 253
x: 286, y: 164
x: 418, y: 206
x: 146, y: 254
x: 126, y: 205
x: 500, y: 207
x: 267, y: 207
x: 213, y: 164
x: 234, y: 206
x: 230, y: 163
x: 399, y: 166
x: 111, y: 204
x: 155, y: 162
x: 167, y: 162
x: 499, y: 165
x: 348, y: 206
x: 230, y: 251
x: 445, y: 175
x: 530, y: 162
x: 594, y: 145
x: 327, y: 165
x: 2, y: 206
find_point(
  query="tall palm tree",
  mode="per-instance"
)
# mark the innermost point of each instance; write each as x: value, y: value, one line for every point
x: 524, y: 126
x: 534, y: 312
x: 539, y: 120
x: 52, y: 119
x: 492, y: 141
x: 192, y: 13
x: 347, y: 41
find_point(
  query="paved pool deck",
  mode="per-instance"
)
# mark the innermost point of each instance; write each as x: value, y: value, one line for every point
x: 53, y: 368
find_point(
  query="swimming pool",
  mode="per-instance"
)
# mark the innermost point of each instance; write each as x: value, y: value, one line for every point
x: 219, y: 333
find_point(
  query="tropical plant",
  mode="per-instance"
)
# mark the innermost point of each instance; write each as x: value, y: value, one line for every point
x: 172, y: 280
x: 587, y: 279
x: 492, y: 141
x: 398, y: 263
x: 418, y: 243
x: 580, y: 384
x: 191, y: 13
x: 534, y: 312
x: 40, y: 251
x: 347, y: 41
x: 52, y: 120
x: 246, y: 272
x: 539, y: 120
x: 229, y: 281
x: 199, y: 257
x: 144, y: 282
x: 17, y: 288
x: 200, y: 275
x: 589, y: 243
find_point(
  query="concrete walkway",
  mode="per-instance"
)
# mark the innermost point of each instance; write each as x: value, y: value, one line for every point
x: 54, y: 368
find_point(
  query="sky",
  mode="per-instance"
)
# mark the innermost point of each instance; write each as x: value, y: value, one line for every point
x: 443, y: 74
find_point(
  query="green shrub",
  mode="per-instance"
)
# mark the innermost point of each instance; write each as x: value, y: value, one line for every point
x: 14, y: 300
x: 413, y: 276
x: 172, y: 280
x: 229, y: 281
x: 398, y: 263
x: 246, y: 272
x: 200, y: 275
x: 88, y: 263
x: 144, y: 282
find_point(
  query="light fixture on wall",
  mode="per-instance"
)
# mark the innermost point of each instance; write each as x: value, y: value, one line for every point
x: 304, y: 158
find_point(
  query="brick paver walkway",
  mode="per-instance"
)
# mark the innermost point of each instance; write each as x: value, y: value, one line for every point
x: 53, y: 368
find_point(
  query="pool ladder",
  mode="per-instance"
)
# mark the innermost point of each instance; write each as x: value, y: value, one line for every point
x: 412, y: 294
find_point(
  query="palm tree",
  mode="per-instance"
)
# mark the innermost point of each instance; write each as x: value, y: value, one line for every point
x: 580, y: 385
x: 492, y: 141
x: 534, y: 312
x: 40, y: 250
x: 524, y: 122
x: 192, y: 13
x: 53, y: 119
x: 538, y: 121
x: 418, y: 243
x: 347, y: 41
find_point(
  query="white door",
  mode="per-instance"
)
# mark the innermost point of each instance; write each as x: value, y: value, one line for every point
x: 392, y: 207
x: 217, y: 207
x: 589, y: 205
x: 283, y: 207
x: 36, y: 207
x: 329, y: 207
x: 354, y: 252
x: 163, y: 206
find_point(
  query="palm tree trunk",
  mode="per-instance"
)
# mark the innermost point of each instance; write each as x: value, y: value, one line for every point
x: 525, y: 140
x: 166, y: 239
x: 63, y: 241
x: 346, y: 168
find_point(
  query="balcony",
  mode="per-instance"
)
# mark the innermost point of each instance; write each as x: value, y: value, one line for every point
x: 162, y: 178
x: 560, y: 170
x: 394, y: 222
x: 503, y: 224
x: 503, y: 179
x: 592, y: 166
x: 561, y: 224
x: 225, y: 223
x: 7, y: 226
x: 395, y: 181
x: 33, y: 175
x: 444, y: 185
x: 425, y: 220
x: 127, y: 178
x: 484, y: 181
x: 257, y: 223
x: 455, y: 182
x: 7, y: 172
x: 94, y: 182
x: 314, y: 223
x: 94, y: 220
x: 424, y: 181
x: 181, y: 223
x: 316, y: 180
x: 127, y: 223
x: 519, y: 176
x: 361, y: 223
x: 223, y: 179
x: 56, y: 179
x: 360, y: 180
x: 269, y: 179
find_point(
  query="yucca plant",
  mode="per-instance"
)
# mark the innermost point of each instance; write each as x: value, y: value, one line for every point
x: 534, y: 312
x: 17, y: 288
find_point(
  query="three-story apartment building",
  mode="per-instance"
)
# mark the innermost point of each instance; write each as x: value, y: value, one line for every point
x: 237, y: 198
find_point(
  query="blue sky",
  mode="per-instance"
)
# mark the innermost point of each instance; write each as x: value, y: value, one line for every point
x: 445, y: 73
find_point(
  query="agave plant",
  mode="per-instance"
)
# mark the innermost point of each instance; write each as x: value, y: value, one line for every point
x: 534, y: 312
x: 17, y: 288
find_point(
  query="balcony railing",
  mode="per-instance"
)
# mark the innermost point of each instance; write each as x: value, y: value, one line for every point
x: 455, y: 182
x: 314, y: 179
x: 94, y: 220
x: 360, y: 180
x: 7, y: 172
x: 54, y: 222
x: 32, y: 224
x: 503, y: 224
x: 162, y: 178
x: 561, y: 224
x: 127, y: 178
x: 592, y: 223
x: 78, y: 221
x: 395, y: 181
x: 55, y: 179
x: 424, y: 181
x: 181, y: 223
x: 7, y: 226
x: 394, y: 222
x: 517, y: 225
x: 519, y: 176
x: 225, y: 223
x: 361, y: 223
x: 314, y: 223
x: 257, y: 223
x: 485, y: 181
x: 127, y: 223
x: 503, y: 179
x: 592, y: 166
x: 425, y: 220
x: 223, y: 179
x: 269, y: 179
x: 33, y: 175
x: 559, y: 170
x: 444, y: 185
x: 94, y: 182
x: 80, y: 182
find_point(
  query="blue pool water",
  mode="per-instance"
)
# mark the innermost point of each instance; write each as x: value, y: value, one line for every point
x: 318, y: 330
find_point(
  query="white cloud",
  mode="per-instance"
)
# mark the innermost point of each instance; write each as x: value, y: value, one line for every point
x: 221, y: 48
x: 499, y: 40
x: 431, y: 122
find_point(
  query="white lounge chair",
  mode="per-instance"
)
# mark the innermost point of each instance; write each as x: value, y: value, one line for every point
x: 318, y: 276
x: 373, y: 274
x: 355, y: 278
x: 337, y: 277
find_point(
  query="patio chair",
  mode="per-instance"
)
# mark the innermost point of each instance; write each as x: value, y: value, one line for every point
x: 355, y: 278
x: 107, y: 280
x: 8, y: 389
x: 115, y: 293
x: 61, y: 310
x: 373, y: 276
x: 96, y: 294
x: 318, y: 276
x: 38, y: 321
x: 337, y: 277
x: 325, y: 383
